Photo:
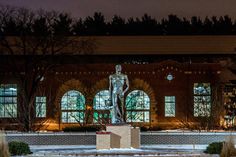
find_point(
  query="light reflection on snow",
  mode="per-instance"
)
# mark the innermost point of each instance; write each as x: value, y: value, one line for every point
x: 145, y: 150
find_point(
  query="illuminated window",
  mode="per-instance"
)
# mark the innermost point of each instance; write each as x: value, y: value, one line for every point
x: 8, y: 100
x: 72, y: 107
x: 202, y: 99
x: 137, y: 106
x: 169, y: 106
x: 40, y: 104
x: 101, y: 105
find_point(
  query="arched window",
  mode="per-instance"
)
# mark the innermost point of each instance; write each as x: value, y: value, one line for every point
x: 101, y: 107
x: 72, y: 107
x: 202, y: 99
x: 137, y: 107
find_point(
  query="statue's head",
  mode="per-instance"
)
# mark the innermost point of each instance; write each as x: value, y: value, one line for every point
x: 118, y: 68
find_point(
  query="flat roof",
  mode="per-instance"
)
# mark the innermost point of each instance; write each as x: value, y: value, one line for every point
x: 161, y: 45
x: 153, y: 45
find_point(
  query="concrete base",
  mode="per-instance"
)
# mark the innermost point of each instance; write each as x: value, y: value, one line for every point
x: 107, y: 140
x: 124, y: 131
x: 118, y: 136
x: 135, y: 137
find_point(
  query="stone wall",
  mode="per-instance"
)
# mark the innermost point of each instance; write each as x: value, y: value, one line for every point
x: 147, y: 138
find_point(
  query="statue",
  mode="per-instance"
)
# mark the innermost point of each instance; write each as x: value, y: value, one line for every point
x: 117, y: 82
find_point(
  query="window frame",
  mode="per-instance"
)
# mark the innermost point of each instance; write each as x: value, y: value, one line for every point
x: 196, y: 104
x: 9, y: 100
x: 103, y: 114
x: 66, y: 110
x: 40, y: 104
x: 170, y: 102
x: 145, y: 111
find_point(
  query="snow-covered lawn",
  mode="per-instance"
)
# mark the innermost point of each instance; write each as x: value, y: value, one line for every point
x: 145, y: 150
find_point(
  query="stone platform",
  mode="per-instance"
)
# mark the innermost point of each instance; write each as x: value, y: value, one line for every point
x: 118, y: 136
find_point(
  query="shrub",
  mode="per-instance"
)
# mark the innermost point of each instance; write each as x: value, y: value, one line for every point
x: 81, y: 129
x: 214, y: 148
x: 19, y: 148
x: 228, y: 148
x: 143, y: 128
x: 156, y: 128
x: 3, y: 146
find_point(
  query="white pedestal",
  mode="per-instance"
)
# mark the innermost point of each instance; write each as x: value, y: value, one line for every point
x: 124, y: 131
x: 135, y: 137
x: 118, y: 136
x: 107, y: 140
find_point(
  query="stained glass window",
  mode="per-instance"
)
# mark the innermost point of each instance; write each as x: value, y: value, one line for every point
x: 137, y: 107
x: 101, y: 106
x: 8, y: 100
x: 72, y: 107
x: 169, y: 106
x: 202, y: 99
x: 40, y: 104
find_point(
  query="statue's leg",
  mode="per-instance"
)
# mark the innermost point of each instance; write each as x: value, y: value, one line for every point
x: 122, y: 108
x: 114, y: 109
x: 118, y: 109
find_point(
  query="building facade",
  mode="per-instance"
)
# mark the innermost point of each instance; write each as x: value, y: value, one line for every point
x: 167, y: 91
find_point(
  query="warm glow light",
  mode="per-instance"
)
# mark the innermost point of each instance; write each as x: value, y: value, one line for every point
x: 89, y: 107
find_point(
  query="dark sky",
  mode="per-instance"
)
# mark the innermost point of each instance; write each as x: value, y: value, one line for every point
x: 134, y: 8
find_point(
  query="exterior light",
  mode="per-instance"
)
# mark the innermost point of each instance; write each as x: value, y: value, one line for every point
x: 89, y: 107
x: 169, y: 77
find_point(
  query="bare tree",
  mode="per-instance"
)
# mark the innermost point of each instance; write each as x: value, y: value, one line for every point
x: 29, y: 40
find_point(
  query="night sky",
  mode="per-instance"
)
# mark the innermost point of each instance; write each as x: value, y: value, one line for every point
x: 133, y: 8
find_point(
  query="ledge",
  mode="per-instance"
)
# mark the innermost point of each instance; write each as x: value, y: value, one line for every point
x: 103, y: 132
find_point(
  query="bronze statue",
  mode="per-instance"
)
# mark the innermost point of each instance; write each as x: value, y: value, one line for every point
x: 117, y: 82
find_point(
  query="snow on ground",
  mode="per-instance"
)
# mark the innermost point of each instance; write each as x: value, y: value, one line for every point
x: 70, y: 147
x: 60, y: 147
x: 145, y: 150
x: 184, y: 147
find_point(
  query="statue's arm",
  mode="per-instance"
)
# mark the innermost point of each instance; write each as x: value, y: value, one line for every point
x: 127, y: 84
x: 110, y: 84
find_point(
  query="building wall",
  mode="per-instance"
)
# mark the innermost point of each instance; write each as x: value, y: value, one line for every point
x: 151, y: 78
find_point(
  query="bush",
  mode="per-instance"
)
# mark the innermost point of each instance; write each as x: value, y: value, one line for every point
x: 155, y: 128
x: 19, y: 148
x: 143, y: 128
x: 228, y: 147
x: 3, y: 146
x: 81, y: 129
x: 214, y: 148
